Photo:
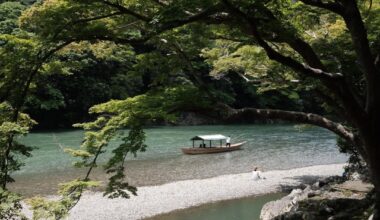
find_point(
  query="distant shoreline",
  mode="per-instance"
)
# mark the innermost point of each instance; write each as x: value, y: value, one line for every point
x: 154, y: 200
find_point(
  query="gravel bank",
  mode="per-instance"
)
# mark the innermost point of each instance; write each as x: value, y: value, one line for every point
x: 155, y: 200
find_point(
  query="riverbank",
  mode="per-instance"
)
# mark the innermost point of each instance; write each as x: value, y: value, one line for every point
x: 154, y: 200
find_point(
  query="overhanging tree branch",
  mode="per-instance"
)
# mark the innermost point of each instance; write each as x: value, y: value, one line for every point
x: 291, y: 116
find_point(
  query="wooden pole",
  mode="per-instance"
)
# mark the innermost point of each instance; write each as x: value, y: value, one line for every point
x: 210, y: 143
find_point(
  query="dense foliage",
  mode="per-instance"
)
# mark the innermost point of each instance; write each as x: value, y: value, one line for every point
x: 89, y: 73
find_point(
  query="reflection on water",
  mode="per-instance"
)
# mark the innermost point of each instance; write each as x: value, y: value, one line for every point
x: 237, y: 209
x: 268, y: 146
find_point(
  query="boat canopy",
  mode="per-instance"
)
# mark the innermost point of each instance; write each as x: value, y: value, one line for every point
x: 213, y: 137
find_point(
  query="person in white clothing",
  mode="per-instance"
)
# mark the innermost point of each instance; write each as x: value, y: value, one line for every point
x: 228, y: 141
x: 256, y: 174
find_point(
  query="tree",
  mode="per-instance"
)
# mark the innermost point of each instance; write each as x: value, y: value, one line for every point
x: 80, y: 76
x: 21, y: 58
x: 26, y: 61
x: 327, y: 45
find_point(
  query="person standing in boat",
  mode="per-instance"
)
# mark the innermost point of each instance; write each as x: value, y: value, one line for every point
x: 228, y: 141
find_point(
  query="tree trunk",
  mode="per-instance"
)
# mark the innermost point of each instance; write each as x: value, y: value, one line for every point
x: 372, y: 146
x: 374, y: 166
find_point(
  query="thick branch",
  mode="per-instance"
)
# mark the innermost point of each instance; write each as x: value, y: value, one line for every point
x: 307, y: 53
x: 355, y: 25
x: 292, y: 116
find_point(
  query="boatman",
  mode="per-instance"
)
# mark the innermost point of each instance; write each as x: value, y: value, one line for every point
x: 228, y: 141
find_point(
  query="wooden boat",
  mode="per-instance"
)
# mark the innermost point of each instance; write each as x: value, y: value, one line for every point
x: 212, y: 150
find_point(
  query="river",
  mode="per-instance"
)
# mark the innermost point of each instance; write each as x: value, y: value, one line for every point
x: 268, y: 146
x: 236, y: 209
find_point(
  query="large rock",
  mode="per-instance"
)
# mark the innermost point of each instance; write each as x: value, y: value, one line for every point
x: 288, y: 203
x: 319, y: 201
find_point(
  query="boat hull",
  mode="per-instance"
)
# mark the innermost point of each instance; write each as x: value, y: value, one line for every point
x: 212, y: 150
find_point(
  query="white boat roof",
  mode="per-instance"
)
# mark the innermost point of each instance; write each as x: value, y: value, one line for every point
x: 212, y: 137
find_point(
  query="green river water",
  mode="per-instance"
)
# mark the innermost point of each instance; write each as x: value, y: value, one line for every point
x: 268, y: 146
x: 238, y: 209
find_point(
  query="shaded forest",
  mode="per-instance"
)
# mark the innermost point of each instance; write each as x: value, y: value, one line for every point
x: 86, y: 74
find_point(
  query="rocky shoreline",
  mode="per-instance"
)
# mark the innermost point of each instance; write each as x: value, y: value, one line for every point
x: 332, y: 198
